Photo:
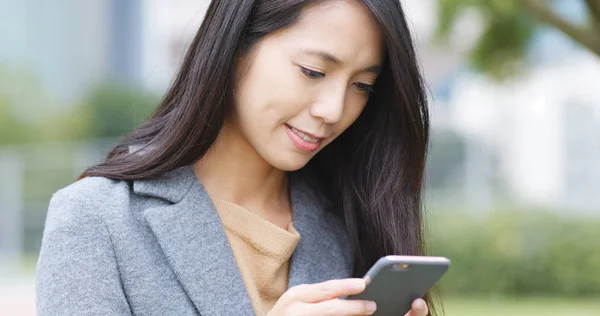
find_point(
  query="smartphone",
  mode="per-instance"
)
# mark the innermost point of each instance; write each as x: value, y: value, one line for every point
x: 394, y: 282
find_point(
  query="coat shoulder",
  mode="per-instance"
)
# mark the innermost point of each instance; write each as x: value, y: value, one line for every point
x: 88, y: 197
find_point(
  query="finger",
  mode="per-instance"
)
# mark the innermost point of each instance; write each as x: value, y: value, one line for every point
x: 342, y: 307
x: 318, y: 292
x: 418, y: 308
x: 367, y: 279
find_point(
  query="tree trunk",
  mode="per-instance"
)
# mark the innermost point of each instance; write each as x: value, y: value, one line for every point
x: 588, y: 36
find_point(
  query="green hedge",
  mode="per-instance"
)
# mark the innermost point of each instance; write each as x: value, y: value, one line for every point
x: 518, y: 253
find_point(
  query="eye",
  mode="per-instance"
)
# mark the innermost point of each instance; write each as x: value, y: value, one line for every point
x: 363, y: 87
x: 311, y: 74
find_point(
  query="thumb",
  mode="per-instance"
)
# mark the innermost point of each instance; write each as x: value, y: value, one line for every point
x: 418, y: 308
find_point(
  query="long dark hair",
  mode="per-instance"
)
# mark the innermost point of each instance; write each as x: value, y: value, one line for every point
x: 374, y: 169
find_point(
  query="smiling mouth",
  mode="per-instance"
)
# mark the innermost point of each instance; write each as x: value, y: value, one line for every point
x: 303, y: 140
x: 307, y: 137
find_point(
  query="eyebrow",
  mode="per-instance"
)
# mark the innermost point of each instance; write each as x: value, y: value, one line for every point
x: 329, y: 57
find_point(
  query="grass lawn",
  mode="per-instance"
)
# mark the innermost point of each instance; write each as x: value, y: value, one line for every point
x: 458, y: 306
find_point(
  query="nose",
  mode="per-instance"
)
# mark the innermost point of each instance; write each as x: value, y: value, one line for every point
x: 330, y: 106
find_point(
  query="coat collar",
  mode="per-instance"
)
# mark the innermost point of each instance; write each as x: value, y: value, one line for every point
x: 171, y: 186
x: 193, y: 239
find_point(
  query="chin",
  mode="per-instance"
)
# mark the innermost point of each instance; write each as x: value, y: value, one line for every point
x: 289, y: 162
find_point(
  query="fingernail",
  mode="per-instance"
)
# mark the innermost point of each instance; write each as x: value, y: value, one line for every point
x: 357, y: 284
x: 371, y: 307
x: 421, y: 305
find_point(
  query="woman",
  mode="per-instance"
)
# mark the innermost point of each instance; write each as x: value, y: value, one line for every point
x: 286, y: 158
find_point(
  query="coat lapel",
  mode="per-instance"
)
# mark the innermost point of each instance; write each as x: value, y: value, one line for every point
x: 324, y: 251
x: 193, y: 239
x: 191, y: 235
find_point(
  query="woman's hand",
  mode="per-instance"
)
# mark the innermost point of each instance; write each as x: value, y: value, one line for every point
x: 323, y: 299
x: 418, y: 308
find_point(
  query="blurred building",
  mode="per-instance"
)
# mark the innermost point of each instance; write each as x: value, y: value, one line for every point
x: 543, y: 128
x: 168, y: 27
x: 72, y: 45
x: 539, y: 131
x: 64, y: 43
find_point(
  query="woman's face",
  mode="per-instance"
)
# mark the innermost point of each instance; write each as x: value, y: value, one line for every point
x: 301, y: 87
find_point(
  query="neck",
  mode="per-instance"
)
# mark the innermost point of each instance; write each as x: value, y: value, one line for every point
x: 233, y: 171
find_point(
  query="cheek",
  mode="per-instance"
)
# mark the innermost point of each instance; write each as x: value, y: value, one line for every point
x: 286, y: 95
x: 269, y: 98
x: 261, y: 114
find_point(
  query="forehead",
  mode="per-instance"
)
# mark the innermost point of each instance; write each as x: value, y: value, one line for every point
x: 344, y: 28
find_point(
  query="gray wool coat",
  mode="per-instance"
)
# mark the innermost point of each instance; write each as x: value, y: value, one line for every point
x: 157, y: 247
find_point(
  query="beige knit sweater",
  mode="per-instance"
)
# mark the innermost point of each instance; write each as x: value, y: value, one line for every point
x: 262, y: 251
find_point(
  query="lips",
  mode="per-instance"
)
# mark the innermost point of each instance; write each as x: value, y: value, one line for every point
x: 303, y: 140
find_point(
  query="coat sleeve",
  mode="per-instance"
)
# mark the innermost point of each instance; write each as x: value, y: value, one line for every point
x: 77, y: 271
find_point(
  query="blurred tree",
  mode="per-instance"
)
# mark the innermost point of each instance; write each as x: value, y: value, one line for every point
x: 509, y: 27
x: 12, y: 130
x: 22, y: 103
x: 116, y: 109
x: 68, y: 124
x: 29, y: 114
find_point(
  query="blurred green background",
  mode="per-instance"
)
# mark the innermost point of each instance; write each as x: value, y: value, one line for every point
x: 512, y: 177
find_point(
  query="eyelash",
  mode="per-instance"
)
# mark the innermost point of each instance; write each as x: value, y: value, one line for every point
x: 313, y: 74
x: 363, y: 87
